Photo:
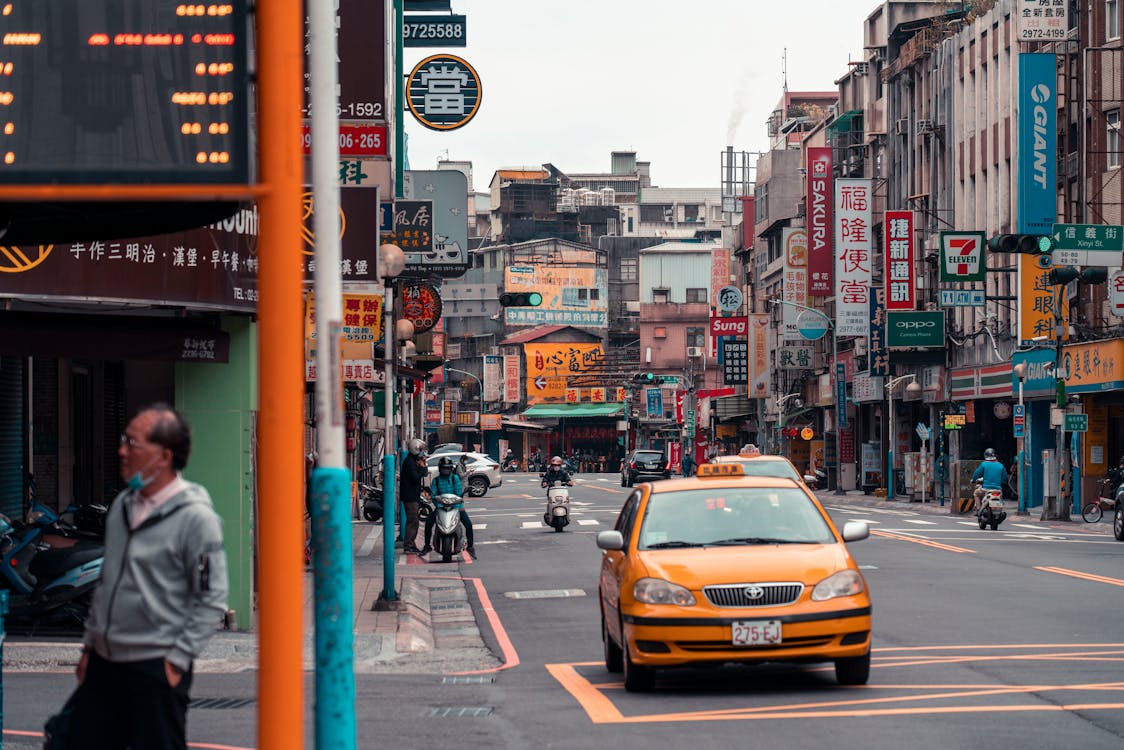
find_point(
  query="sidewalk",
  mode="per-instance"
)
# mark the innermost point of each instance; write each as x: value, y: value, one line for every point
x: 432, y: 630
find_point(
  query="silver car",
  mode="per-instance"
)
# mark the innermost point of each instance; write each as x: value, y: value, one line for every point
x: 483, y: 471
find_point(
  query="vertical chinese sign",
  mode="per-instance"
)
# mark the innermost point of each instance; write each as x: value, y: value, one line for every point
x: 795, y: 282
x: 879, y: 357
x: 735, y: 363
x: 759, y: 355
x: 853, y: 270
x: 493, y: 378
x: 819, y: 205
x: 1037, y: 301
x: 512, y: 374
x: 719, y: 278
x: 899, y: 257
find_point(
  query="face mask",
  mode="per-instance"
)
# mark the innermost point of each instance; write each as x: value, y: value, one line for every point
x: 137, y: 482
x: 445, y: 471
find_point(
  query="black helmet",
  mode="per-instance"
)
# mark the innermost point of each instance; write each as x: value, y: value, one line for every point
x: 445, y: 466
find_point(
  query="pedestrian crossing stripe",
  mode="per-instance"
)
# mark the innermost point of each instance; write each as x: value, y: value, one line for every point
x: 588, y: 522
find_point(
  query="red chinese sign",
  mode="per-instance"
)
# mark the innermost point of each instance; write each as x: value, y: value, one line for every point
x: 421, y: 305
x: 819, y: 205
x: 898, y: 253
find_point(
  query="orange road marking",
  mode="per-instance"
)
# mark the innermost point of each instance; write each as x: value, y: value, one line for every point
x: 995, y: 647
x: 1080, y: 574
x: 510, y: 655
x: 599, y: 708
x: 926, y: 542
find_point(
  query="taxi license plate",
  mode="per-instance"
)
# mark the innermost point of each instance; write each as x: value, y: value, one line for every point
x: 757, y: 632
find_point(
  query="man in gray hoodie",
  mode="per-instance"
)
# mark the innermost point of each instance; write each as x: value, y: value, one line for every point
x: 161, y: 596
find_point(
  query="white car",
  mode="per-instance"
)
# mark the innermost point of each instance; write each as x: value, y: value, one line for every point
x: 483, y: 471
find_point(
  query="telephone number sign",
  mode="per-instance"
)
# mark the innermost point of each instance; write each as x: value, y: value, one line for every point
x: 123, y: 91
x: 434, y: 31
x: 355, y: 140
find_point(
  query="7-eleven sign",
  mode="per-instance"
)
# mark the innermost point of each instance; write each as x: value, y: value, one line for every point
x: 962, y: 256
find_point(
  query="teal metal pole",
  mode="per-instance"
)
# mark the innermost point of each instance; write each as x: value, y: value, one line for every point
x: 332, y: 577
x: 390, y: 511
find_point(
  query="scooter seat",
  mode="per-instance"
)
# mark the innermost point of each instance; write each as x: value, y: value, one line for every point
x: 47, y: 565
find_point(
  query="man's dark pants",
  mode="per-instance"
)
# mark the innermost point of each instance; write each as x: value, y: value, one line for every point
x: 130, y: 705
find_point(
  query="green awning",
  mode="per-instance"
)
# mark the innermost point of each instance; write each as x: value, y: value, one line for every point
x: 843, y: 121
x: 574, y: 410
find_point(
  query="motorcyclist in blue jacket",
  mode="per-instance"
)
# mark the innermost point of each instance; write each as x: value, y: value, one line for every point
x: 992, y: 473
x: 448, y: 483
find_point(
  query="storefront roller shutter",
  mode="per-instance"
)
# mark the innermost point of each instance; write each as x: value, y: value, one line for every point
x: 12, y: 449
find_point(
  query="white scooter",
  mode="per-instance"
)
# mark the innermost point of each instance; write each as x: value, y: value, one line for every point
x: 448, y: 531
x: 557, y: 512
x: 991, y: 511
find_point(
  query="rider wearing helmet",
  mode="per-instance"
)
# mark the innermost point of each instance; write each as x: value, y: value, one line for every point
x: 556, y: 472
x: 448, y: 482
x: 992, y: 473
x: 414, y: 473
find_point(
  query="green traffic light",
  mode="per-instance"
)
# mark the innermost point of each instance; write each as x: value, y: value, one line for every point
x: 534, y: 299
x: 1045, y: 243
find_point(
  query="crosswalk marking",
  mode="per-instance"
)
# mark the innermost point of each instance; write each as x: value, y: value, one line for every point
x: 479, y: 526
x: 588, y: 522
x: 532, y: 524
x: 1027, y: 526
x: 920, y: 522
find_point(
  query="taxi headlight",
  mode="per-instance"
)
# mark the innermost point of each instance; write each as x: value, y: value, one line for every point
x: 655, y: 591
x: 844, y: 583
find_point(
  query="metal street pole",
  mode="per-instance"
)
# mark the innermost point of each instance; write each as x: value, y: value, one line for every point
x: 893, y: 383
x: 280, y: 683
x: 391, y: 262
x: 1020, y: 373
x: 331, y: 479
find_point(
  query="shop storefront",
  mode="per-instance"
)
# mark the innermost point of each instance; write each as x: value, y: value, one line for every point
x: 588, y: 432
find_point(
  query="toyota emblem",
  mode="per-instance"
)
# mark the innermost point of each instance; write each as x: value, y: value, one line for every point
x: 754, y: 592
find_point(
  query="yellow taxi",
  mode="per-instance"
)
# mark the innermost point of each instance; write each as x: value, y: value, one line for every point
x: 761, y: 465
x: 723, y: 567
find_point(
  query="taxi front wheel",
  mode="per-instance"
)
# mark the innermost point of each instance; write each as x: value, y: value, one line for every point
x: 637, y: 679
x: 614, y: 658
x: 854, y: 670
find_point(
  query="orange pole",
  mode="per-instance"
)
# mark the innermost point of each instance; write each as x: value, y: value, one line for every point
x: 280, y: 465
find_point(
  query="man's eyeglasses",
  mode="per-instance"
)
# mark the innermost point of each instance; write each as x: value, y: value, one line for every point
x: 132, y: 442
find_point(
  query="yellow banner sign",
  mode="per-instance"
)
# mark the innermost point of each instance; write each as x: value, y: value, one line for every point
x: 1038, y: 300
x: 550, y: 365
x: 361, y: 321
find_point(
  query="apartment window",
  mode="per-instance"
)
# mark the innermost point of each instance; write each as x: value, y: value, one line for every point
x: 1112, y: 19
x: 1112, y: 138
x: 630, y: 268
x: 691, y: 212
x: 696, y: 295
x: 656, y: 212
x: 661, y: 296
x: 659, y: 332
x: 696, y: 337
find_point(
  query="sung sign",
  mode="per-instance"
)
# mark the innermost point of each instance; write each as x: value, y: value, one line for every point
x: 899, y: 260
x: 852, y: 256
x: 819, y: 201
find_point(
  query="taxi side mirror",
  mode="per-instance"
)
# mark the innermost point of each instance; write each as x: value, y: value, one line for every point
x: 610, y: 540
x: 854, y: 531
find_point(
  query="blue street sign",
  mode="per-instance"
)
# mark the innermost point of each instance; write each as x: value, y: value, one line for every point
x: 841, y: 394
x: 655, y: 402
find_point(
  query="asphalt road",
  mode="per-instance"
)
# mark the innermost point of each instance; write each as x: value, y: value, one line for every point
x: 1003, y: 639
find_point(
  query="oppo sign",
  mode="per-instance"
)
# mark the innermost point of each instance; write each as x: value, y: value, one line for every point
x: 915, y: 328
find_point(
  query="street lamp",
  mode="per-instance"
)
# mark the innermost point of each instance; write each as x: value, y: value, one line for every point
x: 480, y: 388
x: 913, y: 389
x: 1020, y: 373
x: 391, y: 262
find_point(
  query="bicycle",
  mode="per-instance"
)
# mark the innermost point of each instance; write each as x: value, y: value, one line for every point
x: 1094, y: 511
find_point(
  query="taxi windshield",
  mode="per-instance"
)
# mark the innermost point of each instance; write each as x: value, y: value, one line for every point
x: 732, y: 516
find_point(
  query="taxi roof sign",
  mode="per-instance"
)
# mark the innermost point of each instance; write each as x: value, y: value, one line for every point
x: 720, y: 470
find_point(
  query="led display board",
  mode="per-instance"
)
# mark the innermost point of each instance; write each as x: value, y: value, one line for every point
x: 123, y: 92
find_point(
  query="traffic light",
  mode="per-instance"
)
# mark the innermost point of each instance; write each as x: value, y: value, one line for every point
x: 1065, y: 274
x: 520, y: 299
x: 645, y: 378
x: 1026, y: 244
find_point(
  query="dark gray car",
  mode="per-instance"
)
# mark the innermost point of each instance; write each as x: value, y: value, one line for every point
x: 644, y: 464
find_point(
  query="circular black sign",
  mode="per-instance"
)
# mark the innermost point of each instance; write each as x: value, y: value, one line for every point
x: 443, y: 92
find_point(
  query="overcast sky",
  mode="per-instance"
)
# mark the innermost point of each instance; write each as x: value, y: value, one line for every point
x: 568, y: 82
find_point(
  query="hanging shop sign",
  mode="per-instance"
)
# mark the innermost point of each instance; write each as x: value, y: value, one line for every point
x: 794, y: 284
x: 443, y: 92
x: 962, y: 256
x: 421, y: 305
x: 735, y: 361
x: 819, y: 202
x: 924, y: 328
x: 853, y: 267
x: 729, y: 299
x: 899, y: 258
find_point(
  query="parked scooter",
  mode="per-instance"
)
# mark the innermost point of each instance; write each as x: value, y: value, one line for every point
x: 51, y: 582
x: 991, y: 511
x: 448, y: 532
x: 557, y: 513
x: 371, y: 501
x: 816, y: 480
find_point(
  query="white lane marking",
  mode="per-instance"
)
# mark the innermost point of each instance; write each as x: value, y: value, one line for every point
x: 544, y: 594
x: 533, y: 525
x: 920, y: 522
x: 865, y: 520
x: 1027, y: 526
x: 479, y: 526
x: 369, y: 542
x: 588, y: 522
x: 968, y: 523
x: 868, y: 567
x: 525, y: 515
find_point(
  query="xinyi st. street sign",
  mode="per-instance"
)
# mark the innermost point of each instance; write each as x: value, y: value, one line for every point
x: 1088, y: 244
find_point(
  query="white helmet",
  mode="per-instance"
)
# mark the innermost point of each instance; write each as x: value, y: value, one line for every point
x: 415, y: 446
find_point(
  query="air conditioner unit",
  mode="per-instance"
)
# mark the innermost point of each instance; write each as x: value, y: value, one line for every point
x: 694, y: 352
x: 924, y: 126
x: 901, y: 127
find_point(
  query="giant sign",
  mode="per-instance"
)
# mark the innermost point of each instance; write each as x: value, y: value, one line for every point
x: 1038, y: 143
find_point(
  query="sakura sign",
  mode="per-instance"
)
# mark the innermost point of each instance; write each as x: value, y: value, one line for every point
x: 899, y: 258
x: 853, y: 267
